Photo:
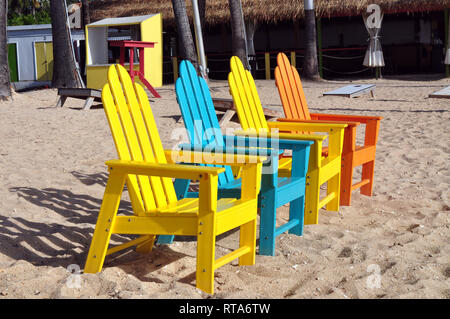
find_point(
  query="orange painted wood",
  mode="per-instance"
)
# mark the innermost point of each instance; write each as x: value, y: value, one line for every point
x: 295, y: 109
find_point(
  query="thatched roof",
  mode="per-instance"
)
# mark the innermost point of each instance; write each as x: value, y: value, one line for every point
x: 217, y: 11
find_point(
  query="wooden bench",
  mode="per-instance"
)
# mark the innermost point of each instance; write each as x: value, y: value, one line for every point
x: 353, y: 90
x: 89, y: 95
x: 441, y: 94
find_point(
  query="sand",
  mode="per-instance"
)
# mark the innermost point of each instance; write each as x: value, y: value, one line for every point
x: 395, y: 244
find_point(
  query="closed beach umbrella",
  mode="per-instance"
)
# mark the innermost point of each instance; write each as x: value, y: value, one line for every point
x: 374, y: 54
x: 447, y: 55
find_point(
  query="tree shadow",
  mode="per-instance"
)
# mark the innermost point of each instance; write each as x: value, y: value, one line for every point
x: 52, y: 243
x: 143, y: 266
x: 62, y: 243
x: 91, y: 179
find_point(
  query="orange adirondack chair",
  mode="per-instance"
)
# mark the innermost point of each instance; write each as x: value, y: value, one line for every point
x: 295, y: 109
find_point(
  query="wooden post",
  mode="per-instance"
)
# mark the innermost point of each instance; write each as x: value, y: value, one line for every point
x: 175, y: 68
x: 319, y: 45
x: 267, y: 59
x: 294, y: 59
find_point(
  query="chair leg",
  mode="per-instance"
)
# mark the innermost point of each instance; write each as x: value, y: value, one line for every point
x: 333, y: 186
x: 297, y: 212
x: 312, y: 198
x: 247, y: 237
x: 206, y: 243
x: 368, y: 173
x: 346, y: 181
x: 165, y: 239
x: 146, y: 246
x: 105, y: 223
x: 267, y: 223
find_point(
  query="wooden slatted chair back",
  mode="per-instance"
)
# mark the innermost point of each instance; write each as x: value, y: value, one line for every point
x: 199, y: 114
x: 136, y: 138
x: 290, y: 89
x: 246, y: 98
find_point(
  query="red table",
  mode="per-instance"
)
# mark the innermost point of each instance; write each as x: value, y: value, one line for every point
x: 141, y: 46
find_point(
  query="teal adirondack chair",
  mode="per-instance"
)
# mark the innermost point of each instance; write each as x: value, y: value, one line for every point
x: 203, y: 128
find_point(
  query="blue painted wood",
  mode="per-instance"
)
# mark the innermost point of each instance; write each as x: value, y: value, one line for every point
x: 204, y: 132
x: 287, y: 226
x: 194, y: 100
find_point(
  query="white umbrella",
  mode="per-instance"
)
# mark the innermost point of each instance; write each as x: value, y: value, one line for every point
x: 374, y: 54
x: 447, y: 56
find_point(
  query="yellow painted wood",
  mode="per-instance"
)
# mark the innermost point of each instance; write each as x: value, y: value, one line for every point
x: 314, y: 127
x: 163, y: 170
x: 312, y: 195
x: 273, y: 133
x: 143, y: 165
x: 231, y: 256
x: 206, y: 237
x: 175, y: 68
x: 130, y: 134
x: 321, y: 168
x: 162, y: 225
x: 128, y: 244
x: 245, y: 97
x: 121, y: 147
x: 97, y: 75
x: 210, y: 158
x: 44, y: 60
x: 152, y: 31
x: 333, y: 188
x: 267, y: 65
x: 329, y: 170
x: 236, y: 213
x: 293, y: 59
x: 105, y: 222
x: 148, y: 149
x: 327, y: 199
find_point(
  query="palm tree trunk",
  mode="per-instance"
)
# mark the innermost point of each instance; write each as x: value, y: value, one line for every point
x: 86, y: 13
x: 65, y: 72
x: 310, y: 64
x: 187, y: 48
x: 5, y: 84
x: 239, y: 46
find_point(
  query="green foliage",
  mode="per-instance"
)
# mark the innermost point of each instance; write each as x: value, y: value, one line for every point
x: 25, y: 12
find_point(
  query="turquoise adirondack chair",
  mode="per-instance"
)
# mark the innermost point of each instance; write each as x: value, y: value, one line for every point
x: 203, y: 128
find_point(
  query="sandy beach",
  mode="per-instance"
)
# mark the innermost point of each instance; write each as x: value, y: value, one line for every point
x: 395, y: 244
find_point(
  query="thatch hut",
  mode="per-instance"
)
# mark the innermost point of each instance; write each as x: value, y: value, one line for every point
x: 414, y: 32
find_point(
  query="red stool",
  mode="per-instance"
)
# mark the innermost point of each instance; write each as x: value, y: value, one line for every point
x: 141, y: 46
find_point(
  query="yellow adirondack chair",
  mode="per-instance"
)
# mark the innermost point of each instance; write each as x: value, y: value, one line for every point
x: 148, y: 171
x: 320, y: 169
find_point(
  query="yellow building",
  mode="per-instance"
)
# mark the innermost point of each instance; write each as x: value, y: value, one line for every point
x: 100, y: 55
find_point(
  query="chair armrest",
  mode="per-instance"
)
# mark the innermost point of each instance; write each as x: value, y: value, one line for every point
x: 212, y: 158
x: 284, y: 136
x: 312, y: 127
x: 260, y: 142
x: 343, y: 117
x: 318, y: 121
x: 162, y: 170
x: 238, y: 150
